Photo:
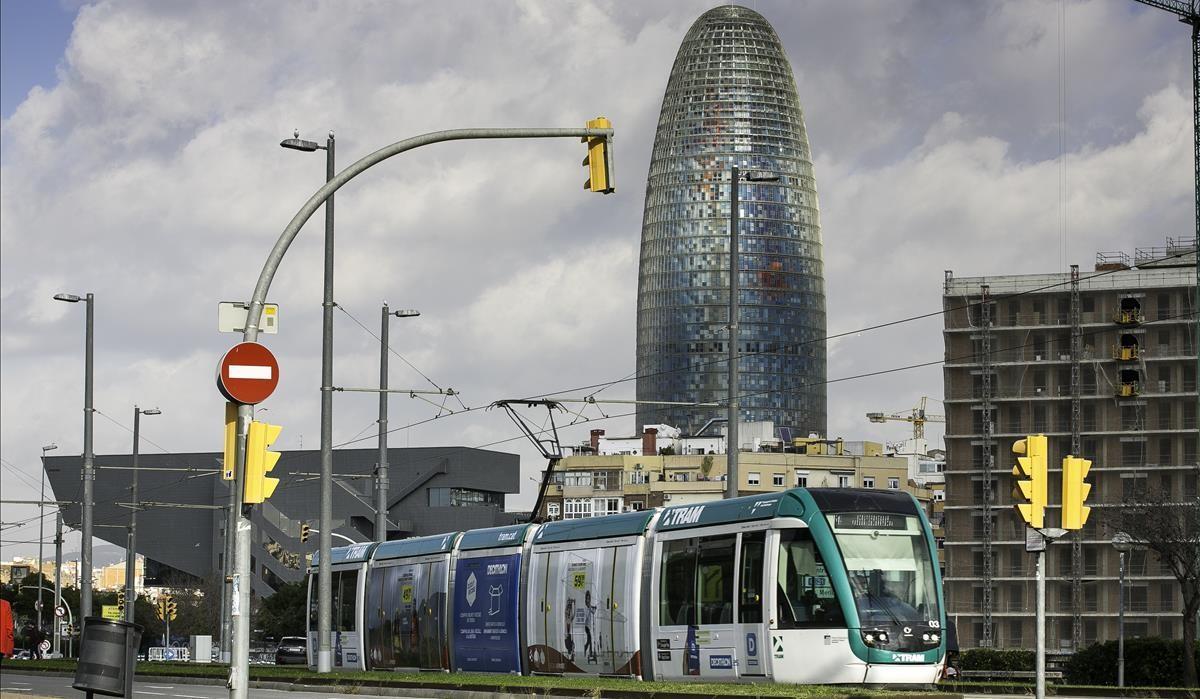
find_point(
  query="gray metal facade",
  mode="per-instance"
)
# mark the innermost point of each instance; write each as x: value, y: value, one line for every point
x: 190, y: 539
x: 731, y: 100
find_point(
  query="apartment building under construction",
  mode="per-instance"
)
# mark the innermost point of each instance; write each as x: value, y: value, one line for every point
x: 1103, y: 363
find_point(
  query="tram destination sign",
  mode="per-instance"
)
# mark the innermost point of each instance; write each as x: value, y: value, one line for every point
x: 869, y: 520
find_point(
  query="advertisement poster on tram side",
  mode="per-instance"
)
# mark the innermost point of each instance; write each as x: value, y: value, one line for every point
x: 486, y: 635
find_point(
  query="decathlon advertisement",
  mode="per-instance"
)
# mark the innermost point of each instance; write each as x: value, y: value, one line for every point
x: 486, y: 636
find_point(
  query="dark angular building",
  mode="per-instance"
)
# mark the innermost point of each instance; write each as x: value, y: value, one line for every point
x: 731, y: 100
x: 181, y: 526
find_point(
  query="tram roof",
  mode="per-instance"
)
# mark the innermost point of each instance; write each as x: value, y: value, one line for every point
x: 494, y: 537
x: 863, y: 500
x: 753, y: 507
x: 354, y: 553
x: 629, y: 523
x: 416, y: 546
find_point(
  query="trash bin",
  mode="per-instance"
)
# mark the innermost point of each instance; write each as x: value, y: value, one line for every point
x: 107, y: 655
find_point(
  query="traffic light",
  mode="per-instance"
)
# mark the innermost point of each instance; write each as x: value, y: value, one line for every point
x: 1031, y: 465
x: 1075, y: 492
x: 304, y: 532
x: 160, y: 608
x: 599, y: 158
x: 229, y: 466
x: 121, y: 602
x: 172, y: 609
x: 259, y: 462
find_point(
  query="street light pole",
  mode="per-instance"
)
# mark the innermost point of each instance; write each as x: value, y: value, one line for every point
x: 324, y: 574
x: 381, y: 474
x: 42, y: 532
x: 89, y: 470
x: 131, y: 539
x: 57, y: 582
x: 1123, y: 543
x: 731, y: 429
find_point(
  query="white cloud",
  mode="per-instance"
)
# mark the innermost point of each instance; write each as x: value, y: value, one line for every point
x: 150, y: 175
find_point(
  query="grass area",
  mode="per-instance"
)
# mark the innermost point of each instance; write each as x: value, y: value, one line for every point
x: 589, y: 685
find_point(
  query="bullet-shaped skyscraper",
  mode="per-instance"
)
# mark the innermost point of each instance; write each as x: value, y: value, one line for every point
x: 731, y: 100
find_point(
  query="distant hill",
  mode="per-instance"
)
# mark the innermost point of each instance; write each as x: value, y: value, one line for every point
x: 103, y: 555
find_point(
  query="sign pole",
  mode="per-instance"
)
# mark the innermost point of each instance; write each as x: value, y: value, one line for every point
x: 239, y: 679
x: 1040, y: 687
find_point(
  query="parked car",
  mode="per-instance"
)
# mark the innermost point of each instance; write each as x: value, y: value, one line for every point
x: 293, y: 650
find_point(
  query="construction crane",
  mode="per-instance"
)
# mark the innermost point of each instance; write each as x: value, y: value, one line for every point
x: 1189, y: 13
x: 918, y: 417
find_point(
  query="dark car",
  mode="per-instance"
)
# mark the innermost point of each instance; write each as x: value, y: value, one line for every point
x: 293, y: 650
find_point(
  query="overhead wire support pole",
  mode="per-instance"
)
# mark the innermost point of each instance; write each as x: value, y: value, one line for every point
x: 238, y: 677
x: 985, y: 312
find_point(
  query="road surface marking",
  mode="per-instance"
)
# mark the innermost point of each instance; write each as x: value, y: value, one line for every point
x: 160, y: 686
x: 157, y: 694
x: 19, y: 689
x: 188, y: 696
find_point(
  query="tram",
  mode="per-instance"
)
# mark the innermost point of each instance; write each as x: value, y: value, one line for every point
x: 806, y: 586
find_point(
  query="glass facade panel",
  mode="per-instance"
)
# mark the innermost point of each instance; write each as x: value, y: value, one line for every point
x: 731, y: 100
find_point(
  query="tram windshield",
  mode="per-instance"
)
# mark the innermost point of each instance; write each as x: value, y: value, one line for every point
x: 889, y: 567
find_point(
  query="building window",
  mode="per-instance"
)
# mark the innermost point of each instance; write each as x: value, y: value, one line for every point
x: 464, y: 497
x: 577, y: 508
x: 552, y: 510
x: 868, y: 481
x: 752, y: 478
x: 801, y: 479
x: 939, y: 496
x: 844, y: 481
x: 777, y: 480
x: 606, y: 506
x: 893, y: 484
x: 606, y: 480
x: 577, y: 479
x: 638, y: 478
x: 637, y: 506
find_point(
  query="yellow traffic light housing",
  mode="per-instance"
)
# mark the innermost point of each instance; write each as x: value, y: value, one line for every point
x: 259, y: 462
x: 172, y: 609
x: 1031, y: 466
x: 304, y: 532
x: 599, y: 158
x: 1075, y: 492
x: 229, y: 466
x: 121, y: 601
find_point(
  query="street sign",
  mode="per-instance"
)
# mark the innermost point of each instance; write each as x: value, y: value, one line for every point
x: 248, y: 373
x: 60, y: 611
x: 231, y: 317
x: 110, y: 611
x: 44, y: 646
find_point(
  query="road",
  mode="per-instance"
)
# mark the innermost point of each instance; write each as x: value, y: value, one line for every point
x: 15, y: 686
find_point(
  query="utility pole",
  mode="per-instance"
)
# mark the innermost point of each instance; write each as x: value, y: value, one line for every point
x: 89, y: 469
x: 57, y: 582
x: 42, y: 534
x: 731, y: 425
x: 381, y: 474
x: 324, y: 574
x: 135, y: 503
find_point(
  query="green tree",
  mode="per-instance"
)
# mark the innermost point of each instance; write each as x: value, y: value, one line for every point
x: 1170, y: 529
x: 283, y: 613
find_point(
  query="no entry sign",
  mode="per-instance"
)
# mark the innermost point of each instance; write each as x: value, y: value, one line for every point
x: 248, y: 373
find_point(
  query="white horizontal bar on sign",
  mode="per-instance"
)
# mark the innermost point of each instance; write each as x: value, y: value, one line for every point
x: 247, y: 371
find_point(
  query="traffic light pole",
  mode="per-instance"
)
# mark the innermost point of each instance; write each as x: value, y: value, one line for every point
x: 240, y: 598
x: 1040, y: 666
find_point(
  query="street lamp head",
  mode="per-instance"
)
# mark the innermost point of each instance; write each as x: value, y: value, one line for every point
x: 406, y: 313
x: 69, y: 298
x: 761, y: 177
x: 152, y: 411
x: 299, y: 144
x: 49, y: 447
x: 1122, y: 542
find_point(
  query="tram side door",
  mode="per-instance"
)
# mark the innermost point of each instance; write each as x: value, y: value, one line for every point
x: 753, y: 658
x: 621, y: 602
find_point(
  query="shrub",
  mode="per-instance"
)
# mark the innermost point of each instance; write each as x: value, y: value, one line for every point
x: 993, y: 659
x: 1149, y: 662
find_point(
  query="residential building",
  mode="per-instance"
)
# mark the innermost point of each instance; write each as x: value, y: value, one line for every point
x: 731, y: 100
x: 1104, y: 364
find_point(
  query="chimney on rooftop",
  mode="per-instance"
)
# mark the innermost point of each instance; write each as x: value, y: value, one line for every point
x: 596, y: 435
x: 650, y: 442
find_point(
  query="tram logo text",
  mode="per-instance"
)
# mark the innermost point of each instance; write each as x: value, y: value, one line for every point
x: 684, y: 515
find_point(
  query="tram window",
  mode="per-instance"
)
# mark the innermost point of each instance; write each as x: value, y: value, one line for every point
x: 715, y: 567
x: 347, y: 585
x: 806, y: 596
x: 677, y: 583
x: 750, y: 601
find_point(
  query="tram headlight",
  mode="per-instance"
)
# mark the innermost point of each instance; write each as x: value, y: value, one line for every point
x: 934, y: 638
x: 869, y: 638
x: 883, y: 637
x: 925, y: 637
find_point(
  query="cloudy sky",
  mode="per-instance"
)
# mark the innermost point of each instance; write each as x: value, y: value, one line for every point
x: 140, y: 162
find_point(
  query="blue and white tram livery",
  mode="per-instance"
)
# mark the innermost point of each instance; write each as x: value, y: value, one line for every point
x: 823, y: 585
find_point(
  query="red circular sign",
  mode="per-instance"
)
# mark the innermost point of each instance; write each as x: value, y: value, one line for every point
x: 248, y: 373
